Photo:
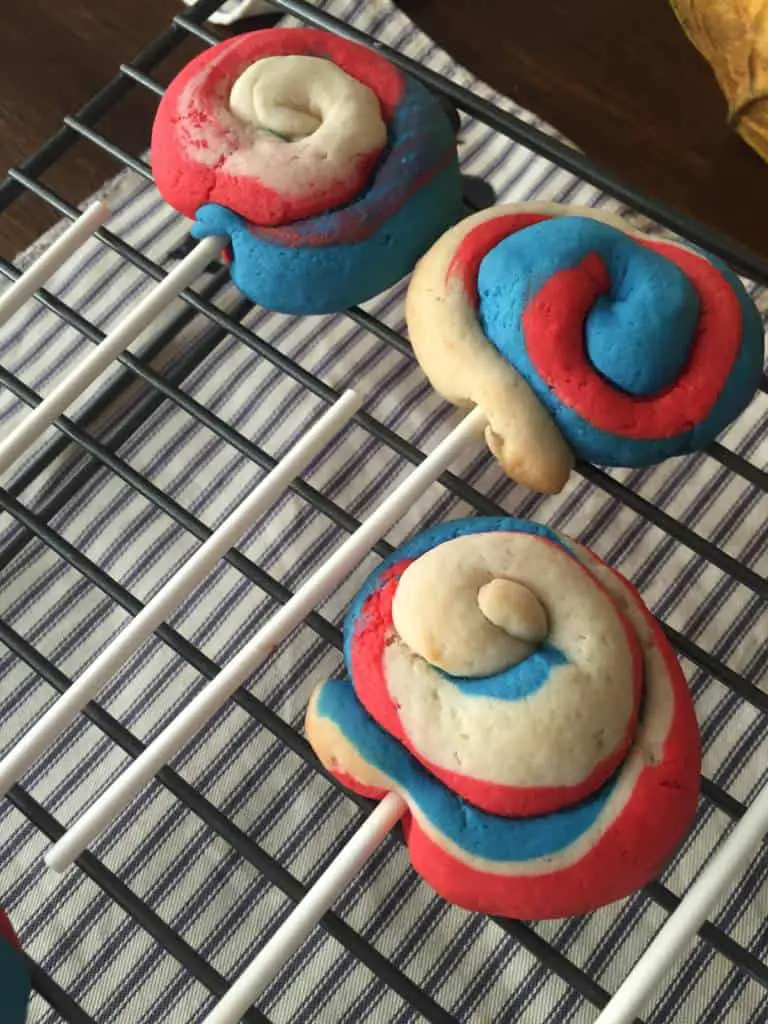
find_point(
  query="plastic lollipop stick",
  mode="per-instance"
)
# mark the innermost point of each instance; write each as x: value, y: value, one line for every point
x: 201, y: 709
x: 298, y: 925
x: 116, y: 342
x: 35, y: 276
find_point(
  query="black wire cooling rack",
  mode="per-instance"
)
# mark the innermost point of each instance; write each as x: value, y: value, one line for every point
x: 166, y: 387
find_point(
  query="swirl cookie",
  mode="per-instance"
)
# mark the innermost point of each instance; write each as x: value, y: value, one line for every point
x: 519, y: 696
x: 329, y: 170
x: 14, y: 976
x: 579, y: 337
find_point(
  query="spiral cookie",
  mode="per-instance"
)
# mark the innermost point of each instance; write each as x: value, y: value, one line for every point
x: 577, y: 336
x: 14, y: 977
x: 522, y: 700
x: 329, y: 170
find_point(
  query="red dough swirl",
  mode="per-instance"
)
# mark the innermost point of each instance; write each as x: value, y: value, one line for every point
x: 203, y: 152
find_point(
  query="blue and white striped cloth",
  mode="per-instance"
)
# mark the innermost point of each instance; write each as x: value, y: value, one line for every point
x: 191, y: 878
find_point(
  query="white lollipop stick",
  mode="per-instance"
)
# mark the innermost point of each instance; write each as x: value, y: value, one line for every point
x: 233, y: 10
x: 717, y: 877
x: 141, y: 316
x: 35, y: 276
x: 298, y: 925
x: 47, y: 729
x: 199, y: 711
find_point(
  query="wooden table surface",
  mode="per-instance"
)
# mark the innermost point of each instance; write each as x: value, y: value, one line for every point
x: 618, y: 78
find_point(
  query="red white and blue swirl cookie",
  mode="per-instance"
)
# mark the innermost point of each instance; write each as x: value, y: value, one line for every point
x: 578, y: 336
x: 328, y: 169
x: 519, y: 696
x: 14, y: 976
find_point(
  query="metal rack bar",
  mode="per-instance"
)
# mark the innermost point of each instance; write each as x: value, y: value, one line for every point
x: 55, y: 996
x: 326, y: 631
x: 115, y: 435
x: 35, y: 525
x: 738, y: 465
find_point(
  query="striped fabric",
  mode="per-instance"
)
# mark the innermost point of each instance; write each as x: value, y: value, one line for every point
x: 161, y: 850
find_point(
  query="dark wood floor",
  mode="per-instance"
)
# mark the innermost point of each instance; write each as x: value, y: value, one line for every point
x: 618, y: 78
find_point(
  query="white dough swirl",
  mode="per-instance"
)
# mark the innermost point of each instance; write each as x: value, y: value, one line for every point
x: 534, y: 591
x: 308, y: 120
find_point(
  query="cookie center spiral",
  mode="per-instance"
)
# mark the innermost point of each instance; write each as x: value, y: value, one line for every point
x: 298, y: 97
x: 632, y: 310
x: 463, y: 618
x: 513, y: 608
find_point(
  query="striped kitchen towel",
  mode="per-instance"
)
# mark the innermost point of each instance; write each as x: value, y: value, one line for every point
x: 160, y: 849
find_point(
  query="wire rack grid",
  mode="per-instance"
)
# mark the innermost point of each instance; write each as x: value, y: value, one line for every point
x: 391, y: 951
